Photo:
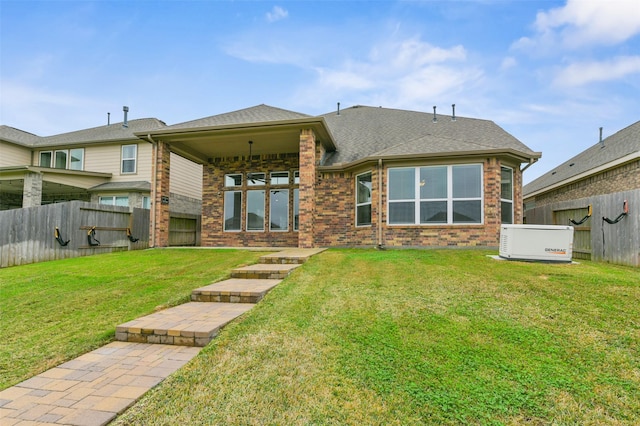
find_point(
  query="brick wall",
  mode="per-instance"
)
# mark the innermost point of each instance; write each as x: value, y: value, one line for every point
x: 623, y: 178
x: 335, y: 217
x: 213, y: 234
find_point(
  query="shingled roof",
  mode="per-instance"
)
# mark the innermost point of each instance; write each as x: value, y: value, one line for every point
x: 112, y: 132
x: 624, y: 143
x: 17, y: 136
x: 257, y: 114
x: 362, y: 132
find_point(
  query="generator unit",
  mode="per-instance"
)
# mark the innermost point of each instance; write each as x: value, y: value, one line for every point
x: 542, y: 243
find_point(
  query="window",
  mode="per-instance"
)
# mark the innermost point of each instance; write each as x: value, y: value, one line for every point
x: 435, y: 195
x: 129, y: 155
x: 146, y: 203
x: 232, y: 210
x: 296, y: 177
x: 506, y: 194
x: 76, y: 159
x: 255, y: 210
x: 256, y: 179
x: 363, y: 199
x: 115, y: 201
x: 296, y: 209
x: 45, y: 158
x: 279, y: 178
x: 279, y: 210
x: 233, y: 180
x: 60, y: 159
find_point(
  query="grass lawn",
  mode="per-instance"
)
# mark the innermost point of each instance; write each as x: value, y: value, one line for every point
x: 420, y: 337
x: 54, y: 311
x: 368, y: 337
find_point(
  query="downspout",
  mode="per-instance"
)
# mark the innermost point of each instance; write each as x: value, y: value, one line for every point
x: 380, y: 242
x: 154, y: 150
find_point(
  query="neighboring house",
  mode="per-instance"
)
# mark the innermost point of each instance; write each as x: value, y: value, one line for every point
x: 361, y: 176
x: 106, y: 164
x: 606, y: 176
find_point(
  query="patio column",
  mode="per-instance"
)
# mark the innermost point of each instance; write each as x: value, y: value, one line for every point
x: 32, y: 190
x: 160, y: 208
x: 307, y: 188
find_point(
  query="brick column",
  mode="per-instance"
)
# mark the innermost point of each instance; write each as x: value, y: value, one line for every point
x: 161, y: 168
x: 307, y: 188
x: 32, y: 190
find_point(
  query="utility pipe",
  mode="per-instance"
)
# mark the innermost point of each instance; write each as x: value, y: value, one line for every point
x: 154, y: 149
x: 380, y: 203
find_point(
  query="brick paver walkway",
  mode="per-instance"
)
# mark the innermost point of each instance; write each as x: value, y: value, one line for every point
x: 93, y: 388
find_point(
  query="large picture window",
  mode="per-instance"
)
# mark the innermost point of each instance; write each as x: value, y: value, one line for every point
x: 129, y: 156
x: 72, y: 159
x: 363, y: 199
x: 506, y: 194
x: 279, y: 210
x: 115, y: 200
x: 232, y: 210
x: 435, y: 195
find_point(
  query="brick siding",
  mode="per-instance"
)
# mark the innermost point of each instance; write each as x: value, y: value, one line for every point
x: 623, y: 178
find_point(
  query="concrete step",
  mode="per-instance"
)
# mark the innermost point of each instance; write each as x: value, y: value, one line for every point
x: 264, y: 271
x: 190, y: 324
x: 234, y: 290
x: 295, y: 256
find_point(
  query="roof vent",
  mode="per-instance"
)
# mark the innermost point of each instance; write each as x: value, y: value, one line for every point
x: 125, y: 123
x: 435, y: 119
x: 601, y: 141
x: 453, y: 115
x: 108, y: 118
x: 338, y: 109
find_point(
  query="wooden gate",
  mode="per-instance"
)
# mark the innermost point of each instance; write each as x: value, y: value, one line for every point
x: 582, y: 232
x: 184, y: 230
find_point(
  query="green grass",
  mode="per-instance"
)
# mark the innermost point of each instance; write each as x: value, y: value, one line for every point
x: 54, y: 311
x: 409, y: 337
x: 420, y: 337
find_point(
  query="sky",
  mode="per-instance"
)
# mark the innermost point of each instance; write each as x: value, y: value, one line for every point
x: 549, y: 72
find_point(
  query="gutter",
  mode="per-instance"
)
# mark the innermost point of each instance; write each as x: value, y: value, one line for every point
x: 532, y: 161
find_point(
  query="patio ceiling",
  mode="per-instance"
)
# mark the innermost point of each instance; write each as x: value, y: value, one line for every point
x: 202, y: 144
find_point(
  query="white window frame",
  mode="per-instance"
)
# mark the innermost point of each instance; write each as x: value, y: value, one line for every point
x: 368, y: 203
x: 273, y: 178
x: 296, y: 209
x: 225, y: 208
x: 253, y: 180
x: 69, y: 162
x: 50, y: 158
x: 296, y: 177
x: 55, y: 158
x: 271, y: 194
x: 232, y: 176
x: 249, y: 210
x: 450, y: 200
x: 134, y: 158
x: 114, y: 199
x: 505, y: 200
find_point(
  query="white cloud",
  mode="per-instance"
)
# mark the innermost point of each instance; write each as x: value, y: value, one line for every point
x: 579, y: 74
x: 401, y: 73
x: 508, y: 62
x: 581, y: 23
x: 277, y: 14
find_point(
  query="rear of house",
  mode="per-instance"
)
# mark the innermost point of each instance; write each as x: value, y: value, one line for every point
x: 362, y: 176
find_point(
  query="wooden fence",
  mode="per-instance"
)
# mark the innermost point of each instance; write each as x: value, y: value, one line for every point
x: 28, y: 235
x: 596, y: 239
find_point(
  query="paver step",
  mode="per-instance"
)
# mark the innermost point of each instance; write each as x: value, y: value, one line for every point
x: 190, y: 324
x: 234, y: 290
x: 289, y: 256
x: 264, y: 271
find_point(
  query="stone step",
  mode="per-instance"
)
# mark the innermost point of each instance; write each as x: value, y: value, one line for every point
x: 264, y: 271
x: 190, y: 324
x: 234, y: 290
x: 295, y: 256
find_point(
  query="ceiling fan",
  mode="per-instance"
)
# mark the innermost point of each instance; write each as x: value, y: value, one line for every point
x: 254, y: 177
